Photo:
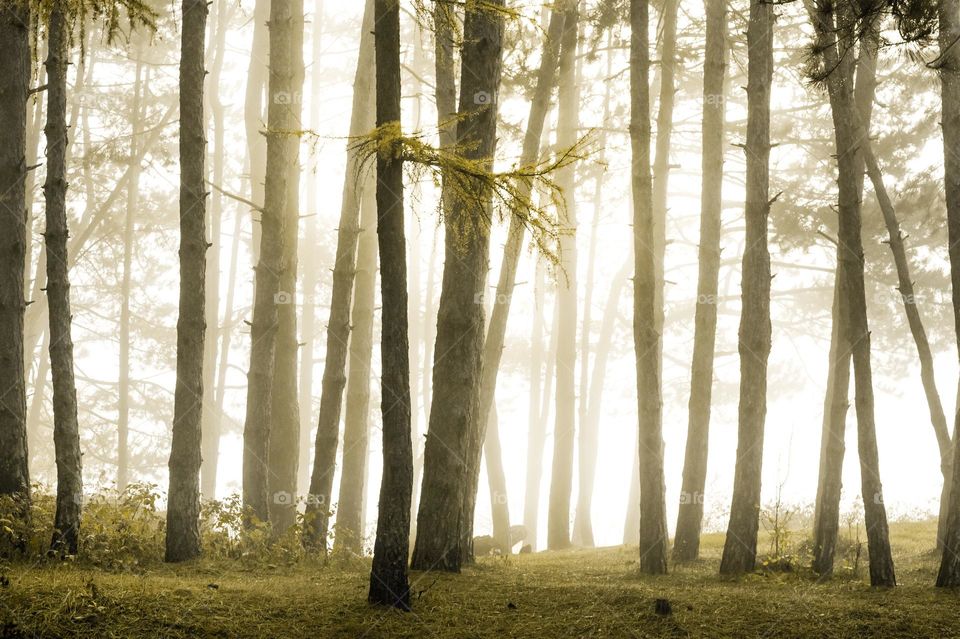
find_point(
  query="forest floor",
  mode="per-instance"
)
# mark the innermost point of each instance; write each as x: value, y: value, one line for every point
x: 578, y: 593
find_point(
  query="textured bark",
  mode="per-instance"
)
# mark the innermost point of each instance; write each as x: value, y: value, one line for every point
x: 537, y: 418
x: 282, y: 140
x: 564, y: 433
x: 829, y: 21
x: 356, y: 430
x: 388, y: 576
x: 14, y: 87
x: 496, y: 333
x: 740, y: 547
x: 646, y: 327
x: 686, y: 545
x: 254, y: 113
x: 183, y: 507
x: 338, y: 326
x: 285, y: 413
x: 949, y: 15
x: 66, y: 433
x: 454, y: 428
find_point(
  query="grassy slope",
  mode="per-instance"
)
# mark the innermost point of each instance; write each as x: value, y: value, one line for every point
x: 584, y: 593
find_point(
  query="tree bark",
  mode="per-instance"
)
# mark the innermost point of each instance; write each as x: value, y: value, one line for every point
x: 254, y: 113
x: 282, y: 140
x: 740, y: 547
x: 317, y: 517
x: 14, y: 91
x: 686, y: 545
x: 454, y: 430
x: 183, y: 507
x: 66, y: 432
x: 496, y: 333
x: 388, y: 576
x: 537, y: 418
x: 646, y: 328
x: 285, y: 412
x: 497, y: 483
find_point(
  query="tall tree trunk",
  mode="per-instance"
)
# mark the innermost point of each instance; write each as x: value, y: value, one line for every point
x: 317, y: 515
x: 949, y: 16
x: 282, y: 141
x: 829, y: 21
x: 686, y: 545
x: 497, y: 483
x: 183, y: 508
x: 388, y: 576
x: 254, y: 113
x: 133, y: 203
x: 66, y: 432
x: 564, y: 433
x: 285, y: 413
x: 493, y: 344
x: 454, y: 429
x: 356, y: 430
x: 14, y: 91
x: 536, y: 420
x: 646, y: 333
x: 740, y: 547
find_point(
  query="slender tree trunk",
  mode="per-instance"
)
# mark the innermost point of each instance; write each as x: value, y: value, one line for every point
x: 740, y: 547
x: 183, y: 508
x: 454, y: 429
x: 14, y: 91
x: 356, y: 431
x: 536, y: 423
x: 497, y: 483
x: 317, y: 516
x: 646, y: 334
x: 282, y: 141
x: 564, y: 433
x: 828, y: 22
x: 388, y: 576
x: 285, y: 413
x: 254, y: 113
x: 949, y: 15
x: 66, y: 432
x: 133, y: 203
x: 686, y: 545
x: 493, y: 344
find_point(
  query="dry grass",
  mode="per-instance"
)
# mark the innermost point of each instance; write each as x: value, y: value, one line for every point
x: 581, y: 593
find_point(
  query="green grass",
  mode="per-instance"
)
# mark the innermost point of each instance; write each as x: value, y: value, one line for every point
x: 580, y: 593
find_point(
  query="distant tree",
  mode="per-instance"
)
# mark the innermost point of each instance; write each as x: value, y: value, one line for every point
x: 14, y: 92
x: 646, y: 333
x: 740, y: 547
x: 388, y: 575
x: 686, y: 545
x: 183, y: 507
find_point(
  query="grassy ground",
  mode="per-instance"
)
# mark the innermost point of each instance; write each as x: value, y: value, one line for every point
x: 580, y: 593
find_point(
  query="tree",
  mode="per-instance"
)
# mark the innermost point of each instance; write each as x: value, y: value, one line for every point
x: 646, y: 332
x: 740, y: 546
x: 14, y: 91
x: 388, y: 576
x: 949, y: 18
x: 455, y: 408
x: 283, y: 125
x: 564, y: 434
x: 341, y: 295
x: 686, y: 545
x: 183, y: 507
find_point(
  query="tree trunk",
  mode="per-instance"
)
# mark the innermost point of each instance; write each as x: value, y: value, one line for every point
x: 66, y: 432
x: 493, y: 344
x: 317, y: 517
x: 254, y: 113
x: 285, y: 412
x: 646, y: 327
x: 282, y: 141
x: 537, y: 418
x: 14, y: 91
x: 564, y: 433
x: 740, y: 547
x: 388, y: 576
x: 183, y: 508
x: 497, y: 482
x: 356, y: 430
x: 454, y: 430
x: 686, y: 545
x: 849, y: 137
x: 949, y: 15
